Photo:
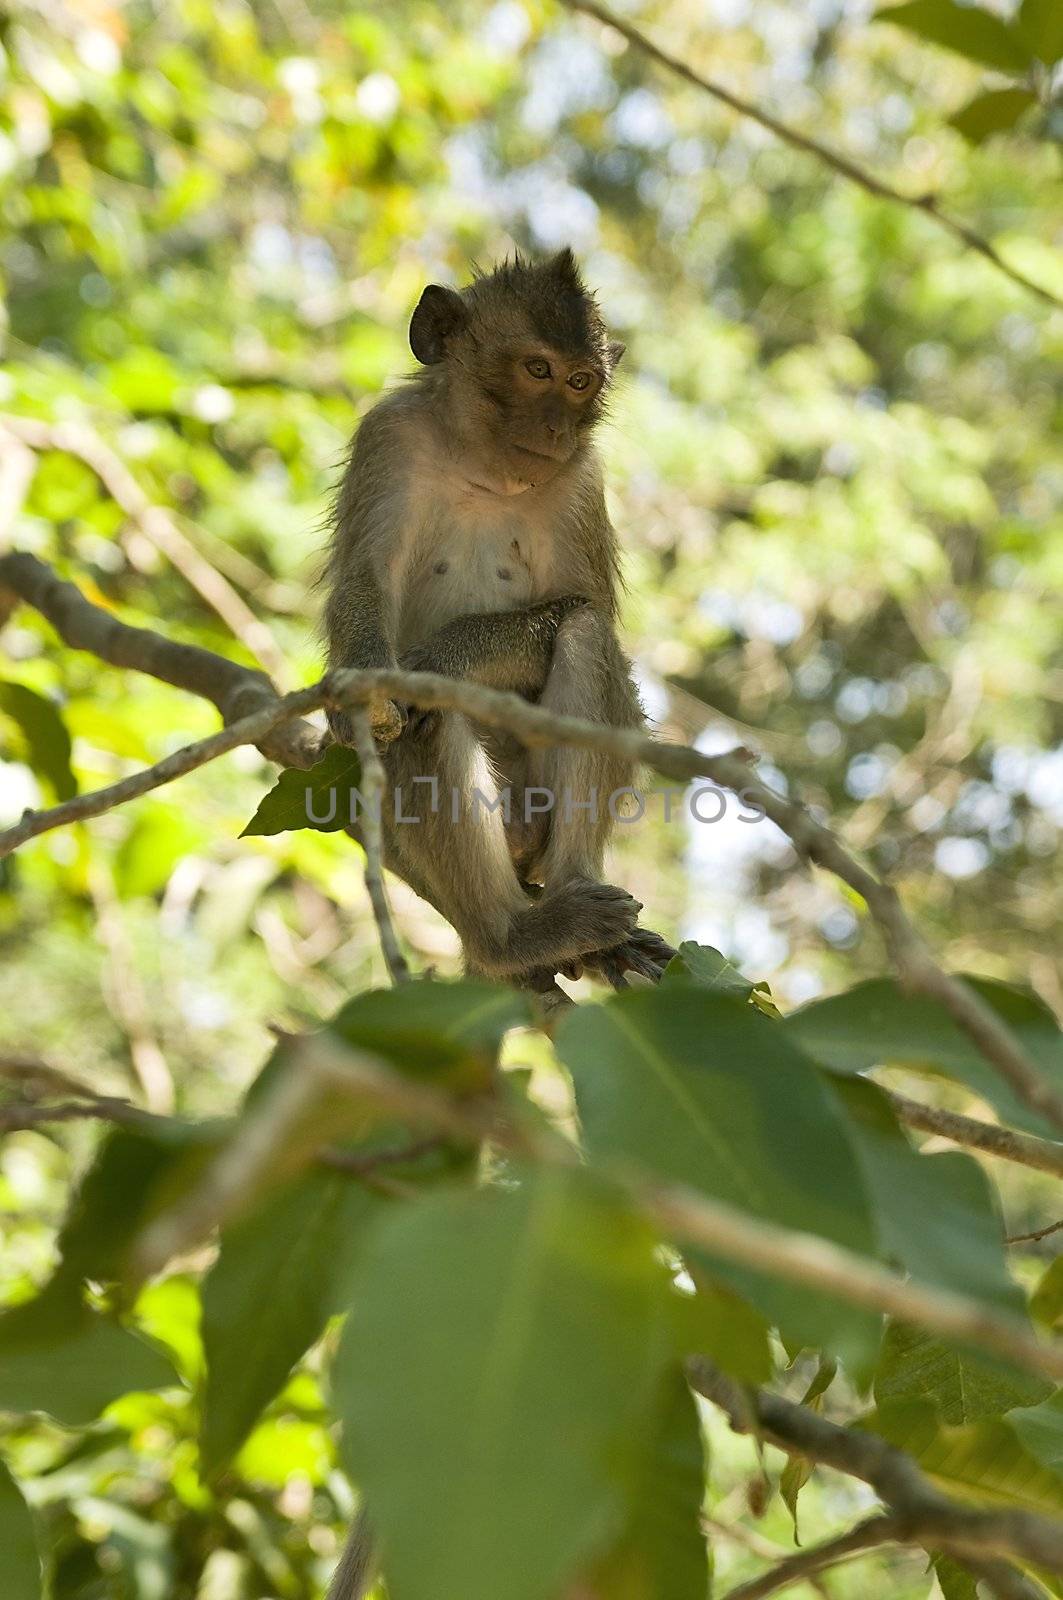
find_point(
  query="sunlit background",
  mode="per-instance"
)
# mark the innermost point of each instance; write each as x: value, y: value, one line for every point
x: 833, y: 458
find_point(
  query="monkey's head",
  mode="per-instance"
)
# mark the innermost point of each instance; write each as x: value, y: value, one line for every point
x: 526, y: 358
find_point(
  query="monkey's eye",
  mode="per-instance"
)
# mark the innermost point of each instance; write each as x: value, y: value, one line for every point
x: 579, y: 380
x: 538, y: 367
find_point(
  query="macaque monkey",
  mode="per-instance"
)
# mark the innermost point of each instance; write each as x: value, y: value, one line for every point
x: 472, y: 539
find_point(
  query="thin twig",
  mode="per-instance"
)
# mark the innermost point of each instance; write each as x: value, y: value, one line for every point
x: 158, y: 526
x: 1032, y: 1238
x: 249, y: 730
x: 373, y: 781
x: 841, y: 164
x: 805, y: 1564
x: 1024, y: 1148
x: 79, y: 623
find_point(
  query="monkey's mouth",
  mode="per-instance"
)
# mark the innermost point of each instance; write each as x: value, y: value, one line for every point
x: 561, y: 453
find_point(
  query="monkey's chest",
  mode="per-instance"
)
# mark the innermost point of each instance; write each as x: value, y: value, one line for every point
x: 472, y: 568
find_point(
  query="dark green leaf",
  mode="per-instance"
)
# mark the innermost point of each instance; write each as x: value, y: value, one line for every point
x: 320, y: 799
x: 963, y: 1386
x: 968, y: 30
x: 47, y: 741
x: 454, y: 1030
x: 954, y: 1581
x: 700, y: 1089
x: 877, y: 1024
x: 134, y: 1175
x: 663, y: 1554
x: 701, y: 964
x: 991, y: 113
x: 937, y: 1215
x: 495, y: 1427
x: 719, y: 1324
x: 278, y: 1277
x: 1041, y: 25
x: 59, y: 1357
x: 19, y: 1560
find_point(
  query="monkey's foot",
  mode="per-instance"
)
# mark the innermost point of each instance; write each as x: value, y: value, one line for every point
x: 591, y: 916
x: 643, y: 951
x: 387, y: 720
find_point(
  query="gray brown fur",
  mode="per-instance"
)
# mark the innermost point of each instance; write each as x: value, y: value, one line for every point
x: 472, y: 539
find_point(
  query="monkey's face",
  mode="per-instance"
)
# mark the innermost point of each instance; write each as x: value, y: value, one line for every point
x: 527, y: 363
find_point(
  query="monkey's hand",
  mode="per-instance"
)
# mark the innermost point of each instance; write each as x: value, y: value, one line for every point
x: 386, y: 718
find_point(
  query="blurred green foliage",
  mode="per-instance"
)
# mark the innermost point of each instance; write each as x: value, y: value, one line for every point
x: 834, y: 462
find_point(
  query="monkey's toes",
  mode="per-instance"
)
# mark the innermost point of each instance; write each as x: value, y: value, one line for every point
x: 643, y: 951
x: 340, y: 726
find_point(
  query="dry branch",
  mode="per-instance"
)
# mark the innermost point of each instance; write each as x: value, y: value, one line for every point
x: 841, y: 164
x: 236, y: 690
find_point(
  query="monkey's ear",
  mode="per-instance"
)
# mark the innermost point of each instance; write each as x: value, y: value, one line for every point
x: 439, y: 313
x: 616, y: 352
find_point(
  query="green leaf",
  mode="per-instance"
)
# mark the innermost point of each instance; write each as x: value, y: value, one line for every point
x: 19, y: 1560
x: 938, y: 1215
x: 135, y: 1174
x: 278, y: 1277
x: 719, y: 1324
x: 701, y: 964
x: 699, y: 1089
x: 954, y: 1581
x: 991, y: 113
x: 876, y: 1024
x: 1040, y: 1428
x: 496, y: 1432
x: 44, y: 731
x: 663, y: 1553
x: 59, y: 1357
x: 963, y: 1386
x: 452, y: 1031
x: 798, y: 1468
x: 968, y: 30
x: 1046, y: 1303
x: 320, y: 799
x: 986, y: 1459
x: 1041, y: 24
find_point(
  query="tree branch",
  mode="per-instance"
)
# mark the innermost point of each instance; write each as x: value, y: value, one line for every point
x: 236, y: 691
x: 806, y: 1563
x: 1025, y: 1148
x: 157, y: 525
x: 230, y: 687
x: 930, y: 1518
x: 841, y: 164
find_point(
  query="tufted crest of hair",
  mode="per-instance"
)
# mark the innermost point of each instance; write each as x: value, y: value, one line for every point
x: 519, y: 303
x: 547, y: 300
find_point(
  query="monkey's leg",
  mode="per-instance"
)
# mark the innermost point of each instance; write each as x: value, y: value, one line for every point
x: 449, y: 836
x: 588, y: 678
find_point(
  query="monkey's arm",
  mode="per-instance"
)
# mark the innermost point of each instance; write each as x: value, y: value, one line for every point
x: 500, y: 649
x: 360, y: 612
